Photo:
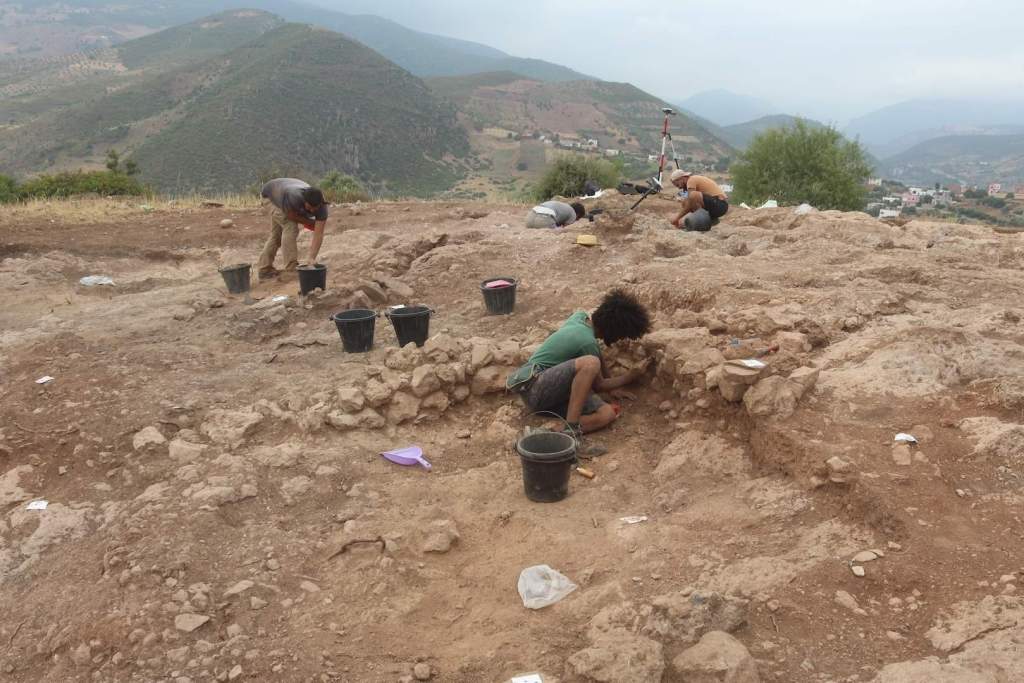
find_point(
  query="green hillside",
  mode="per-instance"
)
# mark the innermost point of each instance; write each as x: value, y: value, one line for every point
x: 296, y: 100
x: 198, y: 40
x: 30, y: 87
x: 963, y: 159
x: 619, y: 116
x: 307, y: 100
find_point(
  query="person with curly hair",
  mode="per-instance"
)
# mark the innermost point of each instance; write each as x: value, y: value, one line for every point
x: 564, y: 375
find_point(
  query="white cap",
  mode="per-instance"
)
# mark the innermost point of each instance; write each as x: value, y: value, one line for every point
x: 679, y: 173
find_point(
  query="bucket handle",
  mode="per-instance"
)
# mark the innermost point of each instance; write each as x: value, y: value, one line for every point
x: 431, y: 311
x: 376, y: 314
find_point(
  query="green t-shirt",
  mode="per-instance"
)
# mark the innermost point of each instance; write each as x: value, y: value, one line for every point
x: 574, y: 339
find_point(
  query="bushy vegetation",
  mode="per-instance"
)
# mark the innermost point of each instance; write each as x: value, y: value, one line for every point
x: 8, y: 189
x: 340, y: 188
x: 70, y: 184
x: 567, y: 176
x: 802, y: 164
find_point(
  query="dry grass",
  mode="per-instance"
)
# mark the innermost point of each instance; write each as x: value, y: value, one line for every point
x: 114, y: 209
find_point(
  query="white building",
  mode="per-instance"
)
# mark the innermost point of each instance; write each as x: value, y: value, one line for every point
x: 612, y: 152
x: 889, y: 213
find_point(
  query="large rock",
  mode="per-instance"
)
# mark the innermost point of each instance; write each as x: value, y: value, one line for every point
x: 442, y: 348
x: 437, y: 402
x: 230, y: 427
x: 490, y: 380
x: 150, y: 437
x: 367, y: 418
x: 10, y: 486
x: 404, y: 407
x: 350, y: 399
x: 773, y: 397
x: 182, y: 451
x: 618, y: 657
x: 424, y: 381
x: 717, y: 658
x: 806, y: 378
x: 377, y: 393
x: 441, y: 536
x: 687, y: 618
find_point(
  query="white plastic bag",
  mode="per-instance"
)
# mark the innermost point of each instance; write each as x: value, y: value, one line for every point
x: 541, y: 586
x: 96, y: 281
x: 804, y: 209
x: 770, y: 204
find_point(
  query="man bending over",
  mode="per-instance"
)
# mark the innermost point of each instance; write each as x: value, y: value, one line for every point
x: 564, y: 374
x: 702, y: 193
x: 295, y: 202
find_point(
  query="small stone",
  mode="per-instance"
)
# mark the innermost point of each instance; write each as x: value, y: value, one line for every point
x: 257, y: 603
x: 235, y: 673
x: 189, y: 622
x: 422, y: 672
x: 441, y: 536
x: 148, y: 437
x: 849, y: 602
x: 773, y: 605
x: 865, y: 556
x: 227, y: 223
x: 273, y: 565
x: 463, y: 434
x: 893, y: 636
x: 858, y: 571
x: 894, y: 546
x: 234, y: 630
x: 238, y: 588
x: 1007, y: 578
x: 81, y: 655
x: 309, y: 587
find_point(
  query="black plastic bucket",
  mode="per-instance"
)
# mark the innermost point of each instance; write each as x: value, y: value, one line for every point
x: 547, y: 459
x: 238, y: 278
x: 698, y: 221
x: 356, y: 328
x: 500, y: 300
x: 312, y: 278
x: 412, y: 324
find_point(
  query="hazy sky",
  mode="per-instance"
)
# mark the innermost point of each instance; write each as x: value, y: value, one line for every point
x: 828, y: 59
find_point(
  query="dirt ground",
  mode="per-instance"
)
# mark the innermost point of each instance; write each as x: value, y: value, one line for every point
x: 218, y: 509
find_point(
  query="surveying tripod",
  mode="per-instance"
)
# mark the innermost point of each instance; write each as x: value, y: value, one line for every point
x: 666, y: 143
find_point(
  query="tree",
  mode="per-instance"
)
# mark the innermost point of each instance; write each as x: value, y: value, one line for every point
x: 131, y: 168
x: 927, y: 199
x: 567, y: 176
x: 8, y: 189
x: 339, y: 188
x: 113, y: 161
x: 802, y: 164
x: 1011, y: 195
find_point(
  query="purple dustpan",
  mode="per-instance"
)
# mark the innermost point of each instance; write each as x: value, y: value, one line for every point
x: 407, y: 457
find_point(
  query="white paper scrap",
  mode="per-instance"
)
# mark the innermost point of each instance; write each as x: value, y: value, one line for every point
x: 754, y: 364
x: 528, y: 678
x: 636, y: 519
x: 279, y: 298
x: 38, y: 505
x: 44, y: 380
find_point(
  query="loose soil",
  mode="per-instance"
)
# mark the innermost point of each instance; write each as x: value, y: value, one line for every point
x: 915, y: 328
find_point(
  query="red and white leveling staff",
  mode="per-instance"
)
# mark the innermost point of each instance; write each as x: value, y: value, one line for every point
x: 666, y: 139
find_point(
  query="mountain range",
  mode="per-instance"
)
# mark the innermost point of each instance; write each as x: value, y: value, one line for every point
x: 292, y: 99
x: 47, y: 28
x: 222, y: 102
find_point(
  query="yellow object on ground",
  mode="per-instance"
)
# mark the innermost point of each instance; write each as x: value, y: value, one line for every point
x: 587, y: 240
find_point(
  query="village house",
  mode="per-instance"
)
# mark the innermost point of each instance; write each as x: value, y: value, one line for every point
x: 994, y: 189
x: 910, y: 199
x: 889, y: 213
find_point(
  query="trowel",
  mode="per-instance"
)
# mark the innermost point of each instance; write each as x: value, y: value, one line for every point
x: 408, y: 457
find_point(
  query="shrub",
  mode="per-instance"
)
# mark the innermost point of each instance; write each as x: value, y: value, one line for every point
x: 801, y: 164
x: 8, y: 189
x: 568, y: 174
x: 72, y: 183
x: 340, y: 188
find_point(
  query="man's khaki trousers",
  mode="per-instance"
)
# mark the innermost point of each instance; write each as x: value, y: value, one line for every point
x: 284, y: 235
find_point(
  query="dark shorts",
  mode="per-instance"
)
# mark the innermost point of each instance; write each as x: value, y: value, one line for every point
x: 715, y: 207
x: 550, y: 391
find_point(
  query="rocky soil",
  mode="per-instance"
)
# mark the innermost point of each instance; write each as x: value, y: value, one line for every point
x: 217, y: 509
